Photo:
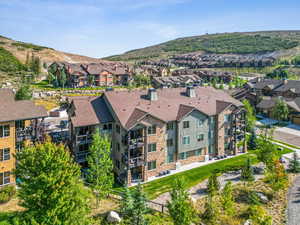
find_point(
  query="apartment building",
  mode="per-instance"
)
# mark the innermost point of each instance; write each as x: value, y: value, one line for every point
x: 154, y: 131
x: 20, y: 121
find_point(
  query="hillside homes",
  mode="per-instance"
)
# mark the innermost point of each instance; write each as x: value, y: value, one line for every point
x: 20, y: 122
x: 267, y: 91
x: 92, y: 74
x: 154, y: 131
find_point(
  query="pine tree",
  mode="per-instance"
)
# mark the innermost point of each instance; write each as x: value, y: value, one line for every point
x: 253, y: 141
x: 51, y: 190
x: 24, y: 92
x: 213, y: 185
x: 127, y: 204
x: 247, y: 171
x: 294, y: 165
x: 100, y: 172
x: 180, y: 208
x: 227, y: 199
x: 140, y: 207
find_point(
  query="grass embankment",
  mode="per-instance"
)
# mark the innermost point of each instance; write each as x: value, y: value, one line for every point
x: 194, y: 176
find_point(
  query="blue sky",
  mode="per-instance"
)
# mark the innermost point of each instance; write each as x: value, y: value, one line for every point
x: 101, y: 28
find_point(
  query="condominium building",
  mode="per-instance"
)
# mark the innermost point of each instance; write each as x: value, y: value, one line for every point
x: 20, y: 121
x: 153, y: 131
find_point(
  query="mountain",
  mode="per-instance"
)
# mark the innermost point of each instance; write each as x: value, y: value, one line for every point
x: 223, y: 43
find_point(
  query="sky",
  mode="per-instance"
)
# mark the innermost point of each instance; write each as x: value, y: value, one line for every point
x: 99, y: 28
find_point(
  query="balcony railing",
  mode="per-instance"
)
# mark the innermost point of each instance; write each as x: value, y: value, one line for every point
x: 81, y: 156
x: 134, y: 162
x: 136, y: 143
x: 83, y: 139
x: 24, y: 133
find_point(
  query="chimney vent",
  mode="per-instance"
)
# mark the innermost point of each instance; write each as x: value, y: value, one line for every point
x: 152, y: 94
x: 190, y: 92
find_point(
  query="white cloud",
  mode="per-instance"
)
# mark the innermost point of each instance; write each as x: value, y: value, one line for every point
x: 161, y: 30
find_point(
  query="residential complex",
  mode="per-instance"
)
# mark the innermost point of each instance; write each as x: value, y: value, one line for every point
x: 92, y: 74
x: 154, y: 131
x: 265, y: 92
x: 20, y: 122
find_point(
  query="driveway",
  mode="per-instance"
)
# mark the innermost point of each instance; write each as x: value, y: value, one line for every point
x: 294, y: 203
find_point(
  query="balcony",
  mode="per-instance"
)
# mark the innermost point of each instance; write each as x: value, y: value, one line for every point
x: 136, y: 143
x: 25, y: 133
x: 133, y: 162
x: 83, y: 139
x: 81, y: 156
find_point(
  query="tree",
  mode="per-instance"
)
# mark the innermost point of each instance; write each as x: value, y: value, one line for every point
x: 250, y: 115
x: 281, y: 110
x: 139, y: 207
x: 252, y: 144
x: 259, y: 216
x: 50, y: 189
x: 24, y: 92
x: 211, y: 213
x: 100, y: 174
x: 227, y: 199
x: 294, y: 165
x: 276, y: 176
x: 247, y: 171
x: 213, y: 185
x: 180, y: 208
x: 127, y: 204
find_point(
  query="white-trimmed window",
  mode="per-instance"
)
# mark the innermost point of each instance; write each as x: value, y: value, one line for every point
x: 4, y: 154
x: 186, y: 140
x: 152, y: 129
x: 200, y: 137
x: 152, y: 165
x: 186, y: 124
x: 152, y: 147
x: 5, y: 178
x: 4, y: 131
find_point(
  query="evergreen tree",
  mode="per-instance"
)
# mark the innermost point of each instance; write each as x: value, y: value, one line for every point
x: 250, y: 115
x: 211, y: 213
x: 294, y: 165
x: 227, y: 199
x: 100, y: 174
x: 247, y: 171
x: 213, y: 185
x: 139, y: 206
x: 127, y: 204
x: 180, y: 208
x: 24, y: 92
x: 281, y: 110
x: 253, y: 141
x: 51, y: 190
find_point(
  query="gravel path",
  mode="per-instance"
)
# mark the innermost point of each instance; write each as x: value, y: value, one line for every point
x: 199, y: 190
x: 294, y: 203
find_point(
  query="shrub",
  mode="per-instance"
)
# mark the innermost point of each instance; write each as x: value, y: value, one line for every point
x: 6, y: 193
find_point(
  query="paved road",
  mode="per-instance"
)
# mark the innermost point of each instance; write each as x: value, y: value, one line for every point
x: 294, y: 203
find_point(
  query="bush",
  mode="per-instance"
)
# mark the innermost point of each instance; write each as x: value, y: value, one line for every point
x: 6, y: 193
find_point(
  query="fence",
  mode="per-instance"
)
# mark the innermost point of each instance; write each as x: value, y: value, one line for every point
x: 151, y: 204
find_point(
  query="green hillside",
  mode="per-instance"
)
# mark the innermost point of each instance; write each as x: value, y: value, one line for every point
x: 240, y: 43
x: 8, y: 62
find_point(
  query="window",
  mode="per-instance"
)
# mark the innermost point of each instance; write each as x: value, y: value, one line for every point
x: 200, y: 122
x: 152, y: 147
x: 182, y: 155
x: 118, y: 147
x: 152, y: 129
x: 4, y: 154
x: 19, y: 145
x: 170, y: 142
x: 200, y: 137
x: 190, y: 154
x: 4, y: 131
x: 170, y: 157
x: 152, y: 165
x: 186, y: 140
x: 198, y: 152
x: 118, y: 129
x: 20, y: 124
x: 186, y: 124
x: 226, y: 118
x: 5, y: 178
x: 170, y: 126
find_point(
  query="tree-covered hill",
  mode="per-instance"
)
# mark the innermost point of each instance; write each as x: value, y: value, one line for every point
x: 240, y: 43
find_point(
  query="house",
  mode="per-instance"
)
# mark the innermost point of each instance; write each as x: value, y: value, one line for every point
x: 158, y: 130
x: 20, y: 122
x: 176, y: 81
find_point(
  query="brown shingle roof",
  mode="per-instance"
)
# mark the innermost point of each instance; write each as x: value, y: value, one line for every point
x: 169, y: 106
x: 11, y: 110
